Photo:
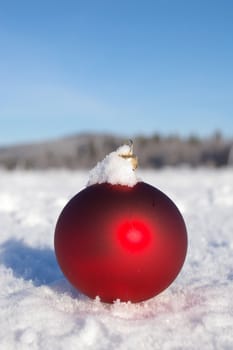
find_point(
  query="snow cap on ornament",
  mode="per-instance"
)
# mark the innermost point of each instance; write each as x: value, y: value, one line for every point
x: 120, y: 238
x: 117, y: 168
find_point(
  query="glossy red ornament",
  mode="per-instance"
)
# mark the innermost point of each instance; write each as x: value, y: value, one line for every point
x: 120, y: 242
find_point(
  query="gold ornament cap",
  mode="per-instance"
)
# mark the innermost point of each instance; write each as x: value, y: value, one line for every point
x: 132, y: 158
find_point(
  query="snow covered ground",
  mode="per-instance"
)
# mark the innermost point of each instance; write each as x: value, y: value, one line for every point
x: 40, y: 310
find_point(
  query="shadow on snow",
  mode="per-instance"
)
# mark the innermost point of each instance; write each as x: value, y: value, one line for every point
x: 36, y: 264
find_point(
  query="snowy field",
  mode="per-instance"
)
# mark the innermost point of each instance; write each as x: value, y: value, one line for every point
x: 40, y: 310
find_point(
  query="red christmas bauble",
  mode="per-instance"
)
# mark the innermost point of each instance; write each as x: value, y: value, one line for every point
x: 120, y: 242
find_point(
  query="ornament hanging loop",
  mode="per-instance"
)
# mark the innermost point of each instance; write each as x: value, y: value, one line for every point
x: 132, y: 158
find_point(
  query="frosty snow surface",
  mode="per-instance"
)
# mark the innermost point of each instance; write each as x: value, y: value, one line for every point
x: 39, y: 308
x: 114, y: 169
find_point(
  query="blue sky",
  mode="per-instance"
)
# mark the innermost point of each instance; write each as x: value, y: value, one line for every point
x: 125, y: 67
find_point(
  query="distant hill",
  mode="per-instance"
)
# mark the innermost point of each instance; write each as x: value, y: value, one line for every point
x: 83, y: 151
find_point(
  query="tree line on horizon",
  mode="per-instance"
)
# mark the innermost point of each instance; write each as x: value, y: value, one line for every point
x: 83, y: 151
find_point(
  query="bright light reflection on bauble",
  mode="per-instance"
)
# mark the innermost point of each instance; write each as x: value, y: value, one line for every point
x: 134, y: 235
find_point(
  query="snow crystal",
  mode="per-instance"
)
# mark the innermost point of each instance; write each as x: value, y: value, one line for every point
x: 115, y: 168
x: 41, y: 310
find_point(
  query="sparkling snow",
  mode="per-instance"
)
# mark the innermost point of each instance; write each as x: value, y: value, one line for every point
x: 40, y: 310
